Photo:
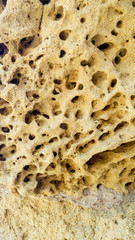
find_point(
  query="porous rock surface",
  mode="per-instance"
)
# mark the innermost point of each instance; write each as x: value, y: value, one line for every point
x: 67, y: 119
x: 67, y: 96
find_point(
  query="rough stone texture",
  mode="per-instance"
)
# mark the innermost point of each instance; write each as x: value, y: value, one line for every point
x: 67, y: 108
x: 34, y: 217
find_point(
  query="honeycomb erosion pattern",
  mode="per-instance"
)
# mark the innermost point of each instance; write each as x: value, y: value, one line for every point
x: 67, y: 97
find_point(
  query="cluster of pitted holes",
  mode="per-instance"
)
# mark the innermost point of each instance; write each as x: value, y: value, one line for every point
x: 119, y: 24
x: 5, y: 107
x: 122, y: 53
x: 25, y: 43
x: 101, y: 157
x: 11, y: 149
x: 27, y: 174
x: 29, y: 42
x: 98, y: 41
x: 115, y: 103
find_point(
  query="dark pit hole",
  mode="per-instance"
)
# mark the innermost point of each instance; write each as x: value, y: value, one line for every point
x: 78, y: 114
x: 2, y: 158
x: 71, y: 85
x: 113, y: 82
x: 57, y: 81
x: 133, y: 3
x: 53, y: 139
x: 55, y: 92
x: 82, y: 20
x: 104, y: 136
x: 87, y: 37
x: 128, y: 184
x: 54, y: 153
x: 28, y: 118
x: 85, y: 63
x: 40, y: 56
x: 72, y: 171
x: 26, y: 179
x: 75, y: 99
x: 26, y: 167
x: 77, y: 136
x: 80, y: 87
x: 120, y: 126
x: 119, y: 24
x: 4, y: 2
x: 123, y: 52
x: 2, y: 146
x: 5, y: 111
x: 117, y: 60
x: 64, y: 35
x: 106, y: 107
x: 5, y: 129
x: 45, y: 1
x: 132, y: 97
x: 113, y: 32
x: 41, y: 155
x: 58, y: 16
x: 19, y: 75
x: 46, y: 116
x: 81, y: 148
x: 99, y: 185
x: 31, y: 62
x: 36, y: 96
x: 3, y: 50
x: 13, y: 59
x: 68, y: 166
x: 31, y: 136
x: 38, y: 146
x: 57, y: 113
x: 26, y: 42
x: 64, y: 126
x: 15, y: 81
x: 62, y: 53
x: 52, y: 165
x: 53, y: 99
x: 35, y: 112
x: 104, y: 46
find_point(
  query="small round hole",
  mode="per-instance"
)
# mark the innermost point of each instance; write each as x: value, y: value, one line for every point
x: 82, y: 20
x: 62, y: 53
x: 123, y: 52
x: 113, y: 82
x: 119, y: 24
x: 117, y: 60
x: 58, y: 16
x: 113, y: 32
x: 133, y: 3
x: 13, y: 59
x: 64, y: 35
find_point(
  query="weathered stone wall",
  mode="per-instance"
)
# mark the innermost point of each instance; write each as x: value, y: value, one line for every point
x: 67, y: 107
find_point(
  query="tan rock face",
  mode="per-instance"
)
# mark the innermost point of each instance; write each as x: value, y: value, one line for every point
x: 67, y: 100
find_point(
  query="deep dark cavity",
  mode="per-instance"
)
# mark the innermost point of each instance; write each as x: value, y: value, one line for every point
x: 45, y: 1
